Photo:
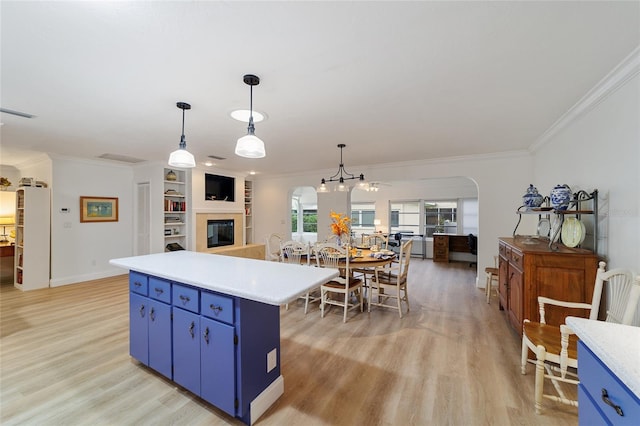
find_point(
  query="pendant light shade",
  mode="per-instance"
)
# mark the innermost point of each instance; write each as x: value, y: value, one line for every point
x: 181, y: 157
x: 250, y: 146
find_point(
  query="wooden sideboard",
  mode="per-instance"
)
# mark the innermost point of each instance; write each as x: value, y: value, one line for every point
x: 529, y: 268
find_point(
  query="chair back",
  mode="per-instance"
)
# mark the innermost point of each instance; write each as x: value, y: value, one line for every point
x: 403, y: 261
x: 620, y: 293
x: 272, y: 243
x: 294, y: 251
x: 328, y: 255
x: 379, y: 240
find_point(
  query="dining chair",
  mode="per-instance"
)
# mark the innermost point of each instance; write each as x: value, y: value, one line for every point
x: 330, y: 255
x: 492, y: 275
x: 298, y: 253
x: 382, y: 241
x: 272, y: 243
x: 390, y: 282
x: 555, y: 348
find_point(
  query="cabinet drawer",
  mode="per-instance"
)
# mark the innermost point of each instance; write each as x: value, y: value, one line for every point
x: 594, y: 377
x: 502, y: 250
x: 516, y: 259
x: 138, y: 283
x: 217, y: 307
x: 186, y: 298
x: 160, y: 289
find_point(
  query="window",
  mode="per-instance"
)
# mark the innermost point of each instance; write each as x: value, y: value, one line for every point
x: 309, y: 220
x: 440, y: 216
x: 363, y: 215
x: 424, y: 217
x: 405, y: 217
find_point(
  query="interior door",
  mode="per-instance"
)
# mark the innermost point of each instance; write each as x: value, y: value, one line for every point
x: 143, y: 219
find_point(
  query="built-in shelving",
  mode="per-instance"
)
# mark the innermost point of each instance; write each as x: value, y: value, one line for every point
x: 248, y: 211
x: 32, y: 247
x: 175, y: 207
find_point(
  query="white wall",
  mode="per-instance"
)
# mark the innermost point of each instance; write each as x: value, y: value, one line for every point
x: 81, y: 251
x: 601, y: 149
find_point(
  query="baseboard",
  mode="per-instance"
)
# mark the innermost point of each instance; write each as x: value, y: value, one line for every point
x: 266, y: 399
x: 58, y: 282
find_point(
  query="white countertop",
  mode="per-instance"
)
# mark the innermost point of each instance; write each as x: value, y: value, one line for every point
x: 618, y: 346
x: 267, y: 282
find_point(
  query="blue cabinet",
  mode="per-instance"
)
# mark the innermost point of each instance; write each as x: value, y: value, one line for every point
x: 217, y: 365
x: 186, y: 349
x: 602, y: 397
x: 222, y: 348
x: 150, y: 322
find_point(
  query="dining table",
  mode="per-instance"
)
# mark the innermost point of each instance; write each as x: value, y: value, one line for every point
x: 366, y: 261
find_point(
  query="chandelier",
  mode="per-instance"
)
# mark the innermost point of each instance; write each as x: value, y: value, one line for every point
x: 341, y: 176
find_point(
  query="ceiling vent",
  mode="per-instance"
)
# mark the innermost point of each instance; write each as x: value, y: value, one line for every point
x: 18, y: 113
x: 121, y: 158
x: 215, y: 157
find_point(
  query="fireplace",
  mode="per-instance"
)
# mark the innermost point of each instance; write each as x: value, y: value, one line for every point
x: 220, y: 233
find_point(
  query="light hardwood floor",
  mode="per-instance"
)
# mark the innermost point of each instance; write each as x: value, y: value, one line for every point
x: 451, y: 361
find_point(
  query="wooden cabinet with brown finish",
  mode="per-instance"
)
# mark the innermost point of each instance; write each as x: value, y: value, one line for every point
x: 529, y: 269
x: 440, y: 248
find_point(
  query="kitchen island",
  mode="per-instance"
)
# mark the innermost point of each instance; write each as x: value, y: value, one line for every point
x: 211, y: 323
x: 609, y: 370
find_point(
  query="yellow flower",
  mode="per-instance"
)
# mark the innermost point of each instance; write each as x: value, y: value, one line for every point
x: 340, y: 225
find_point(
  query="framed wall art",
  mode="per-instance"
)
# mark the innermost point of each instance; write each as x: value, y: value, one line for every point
x: 98, y: 209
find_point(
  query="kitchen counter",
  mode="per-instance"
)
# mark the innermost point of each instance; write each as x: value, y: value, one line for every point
x: 617, y: 346
x: 258, y: 280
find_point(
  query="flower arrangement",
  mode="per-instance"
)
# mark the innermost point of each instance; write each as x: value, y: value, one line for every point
x: 340, y: 225
x: 5, y: 182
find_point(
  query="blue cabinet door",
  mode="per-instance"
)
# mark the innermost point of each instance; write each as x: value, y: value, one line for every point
x: 217, y: 362
x: 139, y: 327
x: 186, y: 349
x: 160, y: 337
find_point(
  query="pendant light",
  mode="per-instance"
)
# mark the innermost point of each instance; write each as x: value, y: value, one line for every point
x: 340, y: 178
x: 181, y: 157
x: 250, y: 146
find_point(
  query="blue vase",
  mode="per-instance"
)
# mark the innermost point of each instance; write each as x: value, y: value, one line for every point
x: 532, y: 198
x: 560, y: 197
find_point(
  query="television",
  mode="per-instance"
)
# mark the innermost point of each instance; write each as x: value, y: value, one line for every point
x: 219, y: 188
x: 219, y: 233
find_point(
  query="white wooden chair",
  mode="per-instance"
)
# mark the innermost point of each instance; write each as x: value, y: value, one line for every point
x: 272, y: 243
x: 492, y: 275
x: 555, y: 348
x: 329, y: 255
x: 298, y: 253
x: 390, y: 282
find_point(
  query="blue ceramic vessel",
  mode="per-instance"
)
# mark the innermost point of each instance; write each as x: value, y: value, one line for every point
x: 560, y: 197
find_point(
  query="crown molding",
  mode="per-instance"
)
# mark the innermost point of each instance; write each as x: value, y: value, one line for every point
x: 615, y: 79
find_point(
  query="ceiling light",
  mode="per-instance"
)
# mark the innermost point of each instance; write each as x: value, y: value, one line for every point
x: 250, y: 146
x: 244, y: 114
x: 181, y: 157
x: 208, y: 163
x: 340, y: 178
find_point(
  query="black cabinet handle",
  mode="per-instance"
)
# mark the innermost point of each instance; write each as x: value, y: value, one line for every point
x: 206, y: 335
x: 191, y: 328
x: 216, y: 309
x: 141, y: 310
x: 185, y: 299
x: 152, y: 314
x: 606, y: 400
x: 159, y: 291
x: 137, y: 284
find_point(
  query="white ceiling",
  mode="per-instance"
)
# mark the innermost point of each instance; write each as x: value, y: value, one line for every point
x: 395, y: 81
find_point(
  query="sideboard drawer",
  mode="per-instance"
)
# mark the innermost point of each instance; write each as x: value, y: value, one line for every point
x: 596, y: 377
x: 186, y: 298
x: 516, y: 259
x: 217, y: 307
x: 160, y: 289
x: 138, y: 283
